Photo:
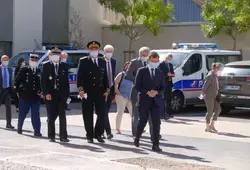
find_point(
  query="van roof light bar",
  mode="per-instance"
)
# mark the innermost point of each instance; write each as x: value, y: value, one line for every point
x: 198, y: 45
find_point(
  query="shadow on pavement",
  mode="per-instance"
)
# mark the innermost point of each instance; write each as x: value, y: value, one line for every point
x: 189, y: 120
x: 85, y: 147
x: 232, y: 135
x: 121, y: 148
x: 178, y: 122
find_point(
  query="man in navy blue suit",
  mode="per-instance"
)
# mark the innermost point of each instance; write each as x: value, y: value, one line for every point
x: 150, y: 85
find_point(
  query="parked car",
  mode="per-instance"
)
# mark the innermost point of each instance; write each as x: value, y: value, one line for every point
x: 234, y: 87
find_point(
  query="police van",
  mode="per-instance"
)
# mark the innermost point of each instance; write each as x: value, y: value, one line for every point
x: 73, y: 59
x: 191, y: 63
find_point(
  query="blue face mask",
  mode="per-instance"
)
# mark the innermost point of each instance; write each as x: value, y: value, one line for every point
x: 153, y: 65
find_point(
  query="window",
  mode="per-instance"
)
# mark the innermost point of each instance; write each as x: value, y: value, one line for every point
x: 73, y: 59
x: 25, y: 55
x: 178, y: 58
x: 224, y: 59
x: 193, y: 65
x: 236, y: 70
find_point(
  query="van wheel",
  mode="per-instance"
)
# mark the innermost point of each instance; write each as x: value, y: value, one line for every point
x: 177, y: 102
x: 226, y: 109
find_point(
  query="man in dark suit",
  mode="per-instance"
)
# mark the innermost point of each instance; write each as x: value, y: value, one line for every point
x: 55, y: 88
x: 5, y: 88
x: 150, y: 85
x: 111, y: 68
x: 131, y: 73
x: 93, y: 87
x: 168, y: 70
x: 28, y: 88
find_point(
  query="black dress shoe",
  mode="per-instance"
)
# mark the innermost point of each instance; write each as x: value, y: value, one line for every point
x: 19, y: 131
x: 38, y: 134
x: 103, y: 137
x: 64, y: 140
x: 90, y: 140
x: 156, y: 148
x: 99, y: 139
x: 52, y: 140
x: 10, y: 127
x: 136, y: 142
x: 110, y: 136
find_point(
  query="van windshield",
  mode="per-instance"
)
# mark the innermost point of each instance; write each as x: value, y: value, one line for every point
x: 25, y: 55
x: 178, y: 58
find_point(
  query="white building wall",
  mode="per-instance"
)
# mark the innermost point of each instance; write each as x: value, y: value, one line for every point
x: 27, y: 24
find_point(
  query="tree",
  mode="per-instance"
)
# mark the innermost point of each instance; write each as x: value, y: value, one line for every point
x: 138, y: 16
x: 229, y: 16
x: 75, y: 29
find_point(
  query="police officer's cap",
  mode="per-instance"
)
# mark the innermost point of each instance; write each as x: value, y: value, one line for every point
x: 56, y: 50
x: 35, y: 56
x: 93, y: 44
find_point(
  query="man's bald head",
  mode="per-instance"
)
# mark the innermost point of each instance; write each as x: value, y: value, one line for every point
x: 4, y: 58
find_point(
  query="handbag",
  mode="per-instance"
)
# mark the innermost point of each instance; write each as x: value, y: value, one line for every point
x: 218, y: 98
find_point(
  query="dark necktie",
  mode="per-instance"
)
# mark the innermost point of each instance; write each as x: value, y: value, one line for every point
x: 152, y: 74
x: 109, y: 74
x: 145, y: 63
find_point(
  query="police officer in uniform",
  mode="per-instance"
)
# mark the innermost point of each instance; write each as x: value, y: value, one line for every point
x: 29, y: 91
x: 55, y: 88
x: 93, y: 87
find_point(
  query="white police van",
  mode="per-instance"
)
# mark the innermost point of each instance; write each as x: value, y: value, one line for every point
x: 73, y: 59
x: 191, y: 63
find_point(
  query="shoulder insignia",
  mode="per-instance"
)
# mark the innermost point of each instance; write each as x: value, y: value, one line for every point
x: 83, y: 58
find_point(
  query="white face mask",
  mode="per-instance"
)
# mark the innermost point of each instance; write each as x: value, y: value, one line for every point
x: 33, y: 64
x: 5, y: 63
x: 153, y: 65
x: 94, y: 54
x: 144, y: 59
x: 64, y: 60
x: 108, y: 55
x: 23, y: 64
x: 55, y: 58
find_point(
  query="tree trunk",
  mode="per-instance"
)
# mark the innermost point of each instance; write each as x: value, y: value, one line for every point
x: 235, y: 44
x: 130, y: 48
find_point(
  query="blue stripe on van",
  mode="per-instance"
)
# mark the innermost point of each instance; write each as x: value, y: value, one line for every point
x: 188, y: 85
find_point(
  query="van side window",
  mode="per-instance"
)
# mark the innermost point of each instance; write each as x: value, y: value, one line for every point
x: 193, y: 65
x: 224, y: 59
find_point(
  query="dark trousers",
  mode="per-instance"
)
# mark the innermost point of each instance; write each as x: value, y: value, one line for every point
x: 55, y: 108
x: 107, y: 126
x: 88, y: 105
x: 168, y: 99
x: 149, y: 108
x: 24, y: 107
x: 16, y: 99
x: 5, y: 98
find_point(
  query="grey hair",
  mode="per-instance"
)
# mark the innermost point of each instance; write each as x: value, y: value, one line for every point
x: 108, y: 47
x: 169, y: 54
x: 144, y: 49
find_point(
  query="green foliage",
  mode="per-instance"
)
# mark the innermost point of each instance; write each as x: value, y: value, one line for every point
x: 139, y: 16
x: 229, y: 16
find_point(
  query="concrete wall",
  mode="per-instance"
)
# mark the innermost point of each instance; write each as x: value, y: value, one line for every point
x: 92, y: 16
x: 55, y: 21
x: 6, y: 20
x: 172, y: 33
x: 27, y: 24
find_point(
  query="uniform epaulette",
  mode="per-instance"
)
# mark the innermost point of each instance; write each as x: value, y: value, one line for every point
x: 103, y: 58
x: 46, y: 62
x: 83, y: 57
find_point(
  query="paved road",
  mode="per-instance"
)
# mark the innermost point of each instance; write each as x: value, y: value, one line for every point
x: 184, y: 141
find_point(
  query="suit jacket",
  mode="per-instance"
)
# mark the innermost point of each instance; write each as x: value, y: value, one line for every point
x: 131, y: 74
x: 166, y: 68
x: 211, y: 86
x: 50, y: 82
x: 28, y: 84
x: 144, y: 83
x: 92, y: 79
x: 1, y: 78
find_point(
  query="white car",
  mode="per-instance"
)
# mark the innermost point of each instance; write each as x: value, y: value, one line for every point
x: 191, y: 63
x: 73, y: 59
